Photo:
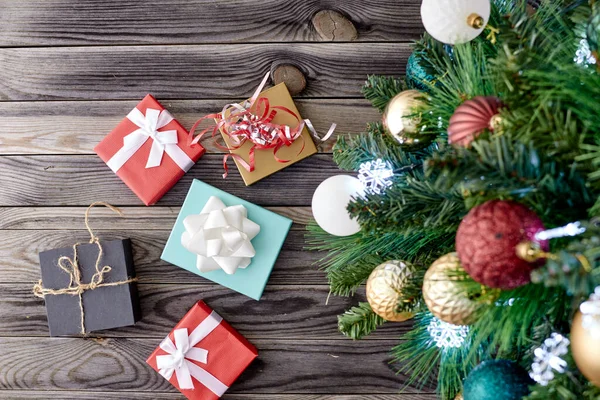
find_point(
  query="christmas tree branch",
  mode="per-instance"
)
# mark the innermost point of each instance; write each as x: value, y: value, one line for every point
x: 359, y: 321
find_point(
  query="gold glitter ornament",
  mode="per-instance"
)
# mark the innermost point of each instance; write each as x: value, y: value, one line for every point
x: 585, y: 347
x: 443, y: 294
x: 400, y: 120
x: 384, y: 288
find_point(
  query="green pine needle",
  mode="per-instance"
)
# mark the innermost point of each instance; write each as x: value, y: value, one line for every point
x: 359, y: 321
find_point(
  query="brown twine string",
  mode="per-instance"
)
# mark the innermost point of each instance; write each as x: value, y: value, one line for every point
x: 71, y: 267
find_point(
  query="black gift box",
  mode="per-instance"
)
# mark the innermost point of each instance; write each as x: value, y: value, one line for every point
x: 104, y: 307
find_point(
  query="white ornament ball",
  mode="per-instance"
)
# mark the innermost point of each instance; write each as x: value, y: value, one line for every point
x: 330, y: 201
x: 455, y: 21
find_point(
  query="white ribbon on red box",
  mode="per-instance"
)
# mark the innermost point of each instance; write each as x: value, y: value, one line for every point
x: 180, y: 355
x: 162, y: 141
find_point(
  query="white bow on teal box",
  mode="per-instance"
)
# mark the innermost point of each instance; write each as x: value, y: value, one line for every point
x: 226, y: 239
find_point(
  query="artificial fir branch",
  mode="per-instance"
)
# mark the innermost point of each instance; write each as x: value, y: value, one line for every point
x: 576, y: 266
x: 350, y: 153
x: 513, y: 325
x: 503, y: 168
x: 350, y: 260
x: 380, y: 90
x: 418, y: 356
x: 359, y: 321
x: 544, y: 154
x: 416, y: 203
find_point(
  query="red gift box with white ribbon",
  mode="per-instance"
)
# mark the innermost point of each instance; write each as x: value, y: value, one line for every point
x: 203, y: 355
x: 149, y: 150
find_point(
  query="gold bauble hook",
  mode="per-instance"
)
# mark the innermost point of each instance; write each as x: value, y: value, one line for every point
x: 475, y: 21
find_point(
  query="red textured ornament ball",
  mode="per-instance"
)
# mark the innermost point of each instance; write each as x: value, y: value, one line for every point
x: 486, y: 243
x: 472, y: 118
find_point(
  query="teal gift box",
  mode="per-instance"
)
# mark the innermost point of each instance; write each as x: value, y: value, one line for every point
x: 251, y: 280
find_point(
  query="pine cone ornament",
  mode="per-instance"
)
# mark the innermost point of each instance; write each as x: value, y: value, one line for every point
x: 443, y: 294
x: 487, y: 239
x: 472, y: 118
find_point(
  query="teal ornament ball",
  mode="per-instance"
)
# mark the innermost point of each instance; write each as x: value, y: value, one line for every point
x: 416, y: 75
x: 497, y: 380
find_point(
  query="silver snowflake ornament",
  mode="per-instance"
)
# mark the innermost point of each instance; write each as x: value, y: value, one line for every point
x: 583, y: 55
x: 375, y: 175
x: 548, y: 359
x: 447, y: 335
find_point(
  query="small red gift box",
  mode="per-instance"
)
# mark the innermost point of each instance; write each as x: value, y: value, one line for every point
x: 149, y: 150
x: 203, y: 355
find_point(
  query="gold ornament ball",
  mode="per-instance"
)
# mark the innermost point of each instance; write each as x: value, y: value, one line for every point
x: 384, y: 288
x: 585, y: 346
x: 443, y: 294
x: 399, y: 117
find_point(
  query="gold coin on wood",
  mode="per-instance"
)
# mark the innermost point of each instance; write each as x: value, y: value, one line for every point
x: 334, y: 27
x: 294, y: 78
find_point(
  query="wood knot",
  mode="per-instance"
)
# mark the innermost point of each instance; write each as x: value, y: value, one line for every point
x: 334, y: 27
x: 294, y: 78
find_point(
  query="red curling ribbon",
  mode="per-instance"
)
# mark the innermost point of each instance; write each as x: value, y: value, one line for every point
x: 253, y: 121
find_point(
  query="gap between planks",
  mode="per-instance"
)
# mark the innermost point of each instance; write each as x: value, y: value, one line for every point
x: 101, y: 218
x: 119, y: 364
x: 79, y: 180
x: 124, y: 22
x: 285, y: 312
x: 190, y: 72
x: 75, y: 127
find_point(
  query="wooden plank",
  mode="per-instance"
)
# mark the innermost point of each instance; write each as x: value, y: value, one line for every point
x: 92, y: 22
x: 19, y: 261
x: 75, y: 127
x: 284, y: 312
x: 319, y: 366
x: 134, y: 218
x: 189, y: 72
x: 81, y: 180
x: 70, y: 395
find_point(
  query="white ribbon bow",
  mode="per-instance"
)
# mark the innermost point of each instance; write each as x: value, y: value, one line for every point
x: 162, y: 141
x: 220, y: 236
x: 182, y: 351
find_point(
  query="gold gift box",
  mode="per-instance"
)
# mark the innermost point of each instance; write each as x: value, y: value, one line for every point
x: 265, y: 162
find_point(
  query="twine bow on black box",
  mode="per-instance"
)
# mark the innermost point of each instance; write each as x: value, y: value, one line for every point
x: 70, y: 265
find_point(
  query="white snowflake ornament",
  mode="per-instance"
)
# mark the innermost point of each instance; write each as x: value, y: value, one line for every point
x: 548, y: 359
x: 583, y: 55
x: 375, y: 175
x: 447, y: 335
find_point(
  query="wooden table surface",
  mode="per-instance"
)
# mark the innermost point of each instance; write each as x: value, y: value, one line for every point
x: 70, y: 70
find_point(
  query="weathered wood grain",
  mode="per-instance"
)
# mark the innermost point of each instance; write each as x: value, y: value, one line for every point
x: 91, y: 22
x: 134, y: 218
x: 189, y: 72
x: 69, y: 395
x: 319, y: 367
x: 19, y: 261
x: 75, y: 127
x: 81, y: 180
x: 284, y: 312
